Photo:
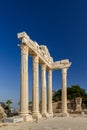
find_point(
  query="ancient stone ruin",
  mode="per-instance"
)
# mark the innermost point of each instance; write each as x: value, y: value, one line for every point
x: 40, y: 55
x: 2, y: 113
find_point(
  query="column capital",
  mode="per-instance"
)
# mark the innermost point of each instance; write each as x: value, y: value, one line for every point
x: 64, y: 70
x: 35, y: 59
x: 49, y: 69
x: 43, y: 66
x: 24, y: 48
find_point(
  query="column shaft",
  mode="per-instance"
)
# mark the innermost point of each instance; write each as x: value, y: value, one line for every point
x: 43, y: 78
x: 35, y: 87
x: 64, y: 90
x: 24, y: 80
x: 50, y: 111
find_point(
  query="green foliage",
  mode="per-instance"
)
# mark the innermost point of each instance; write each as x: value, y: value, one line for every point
x: 30, y: 102
x: 72, y: 92
x: 8, y: 104
x: 75, y: 91
x: 57, y: 95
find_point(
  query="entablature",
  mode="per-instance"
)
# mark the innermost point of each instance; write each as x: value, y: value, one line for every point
x: 61, y: 64
x: 42, y: 52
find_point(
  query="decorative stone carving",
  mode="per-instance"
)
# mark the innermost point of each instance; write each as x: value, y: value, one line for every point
x: 45, y: 53
x: 24, y: 49
x: 61, y: 64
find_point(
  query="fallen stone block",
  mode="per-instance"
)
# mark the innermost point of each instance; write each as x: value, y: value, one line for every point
x: 13, y: 119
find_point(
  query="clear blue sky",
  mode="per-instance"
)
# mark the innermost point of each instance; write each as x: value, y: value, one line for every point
x: 59, y: 24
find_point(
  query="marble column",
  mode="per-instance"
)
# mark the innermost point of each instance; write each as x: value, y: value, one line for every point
x: 64, y: 92
x: 35, y: 88
x: 24, y: 81
x: 43, y: 93
x: 50, y: 110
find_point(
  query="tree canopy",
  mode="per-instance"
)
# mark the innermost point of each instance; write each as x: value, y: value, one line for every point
x: 8, y: 104
x: 72, y: 92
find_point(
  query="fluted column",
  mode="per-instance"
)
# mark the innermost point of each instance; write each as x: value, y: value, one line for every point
x: 43, y: 98
x: 35, y: 93
x: 50, y: 110
x: 64, y: 91
x: 24, y: 80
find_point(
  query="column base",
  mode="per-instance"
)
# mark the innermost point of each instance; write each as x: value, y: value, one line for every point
x: 64, y: 114
x: 36, y: 115
x: 50, y: 114
x: 26, y: 117
x: 78, y: 110
x: 46, y: 115
x: 61, y: 115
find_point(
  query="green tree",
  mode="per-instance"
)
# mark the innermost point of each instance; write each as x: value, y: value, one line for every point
x: 8, y: 104
x: 75, y: 91
x: 57, y: 95
x: 72, y: 92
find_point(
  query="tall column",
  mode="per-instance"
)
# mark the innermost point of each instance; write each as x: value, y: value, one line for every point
x: 64, y: 92
x: 24, y: 81
x: 35, y: 93
x: 50, y: 110
x: 43, y: 98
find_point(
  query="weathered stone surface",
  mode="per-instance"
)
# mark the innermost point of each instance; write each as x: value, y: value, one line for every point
x: 78, y: 104
x: 64, y: 61
x: 45, y: 53
x: 13, y: 119
x: 2, y: 113
x: 61, y: 64
x: 40, y: 54
x: 64, y: 92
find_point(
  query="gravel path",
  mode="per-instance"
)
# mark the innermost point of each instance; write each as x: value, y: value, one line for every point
x: 56, y: 123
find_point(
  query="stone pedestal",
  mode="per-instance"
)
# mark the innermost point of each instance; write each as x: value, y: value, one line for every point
x: 78, y: 104
x: 44, y: 97
x: 28, y: 118
x: 64, y: 92
x: 50, y: 109
x: 35, y: 112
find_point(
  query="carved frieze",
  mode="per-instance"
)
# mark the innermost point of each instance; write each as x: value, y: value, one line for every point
x: 42, y: 52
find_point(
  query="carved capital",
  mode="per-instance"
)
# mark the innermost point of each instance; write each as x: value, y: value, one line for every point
x: 35, y: 59
x: 64, y: 70
x: 43, y: 67
x: 24, y: 49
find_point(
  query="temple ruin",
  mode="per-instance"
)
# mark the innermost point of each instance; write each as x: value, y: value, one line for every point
x: 40, y: 55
